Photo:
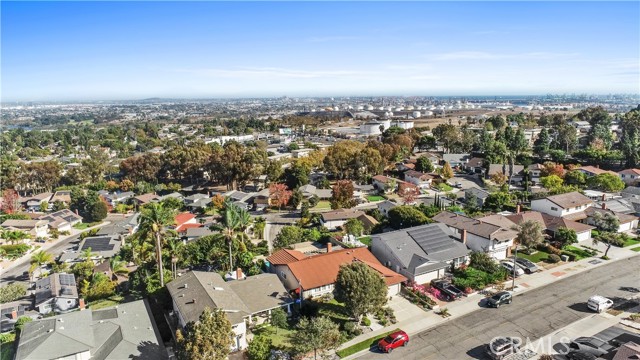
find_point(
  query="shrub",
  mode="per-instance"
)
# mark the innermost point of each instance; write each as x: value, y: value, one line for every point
x: 366, y: 321
x: 12, y: 292
x: 572, y: 256
x: 7, y: 337
x: 351, y: 328
x: 604, y: 257
x: 553, y: 258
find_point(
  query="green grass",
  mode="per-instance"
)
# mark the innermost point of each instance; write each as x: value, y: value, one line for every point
x: 82, y: 226
x: 365, y: 240
x: 323, y: 204
x: 636, y: 249
x: 363, y: 345
x: 373, y: 198
x: 280, y: 337
x: 582, y: 253
x: 6, y: 348
x: 334, y: 310
x: 105, y: 303
x: 631, y: 241
x: 537, y: 257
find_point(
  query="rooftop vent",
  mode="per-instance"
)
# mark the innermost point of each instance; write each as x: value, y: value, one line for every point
x: 218, y: 288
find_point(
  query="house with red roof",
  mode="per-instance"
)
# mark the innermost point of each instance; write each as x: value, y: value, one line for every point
x: 185, y: 220
x: 315, y: 275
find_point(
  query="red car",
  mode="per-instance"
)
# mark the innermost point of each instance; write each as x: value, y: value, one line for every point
x: 392, y: 341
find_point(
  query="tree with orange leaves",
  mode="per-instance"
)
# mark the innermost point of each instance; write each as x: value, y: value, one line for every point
x: 279, y: 194
x: 408, y: 192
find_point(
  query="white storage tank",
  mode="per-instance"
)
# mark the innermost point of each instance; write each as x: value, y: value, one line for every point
x: 416, y: 114
x: 428, y: 113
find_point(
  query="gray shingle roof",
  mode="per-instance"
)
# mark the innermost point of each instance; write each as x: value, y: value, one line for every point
x: 238, y: 298
x: 130, y: 333
x: 424, y: 248
x: 54, y: 286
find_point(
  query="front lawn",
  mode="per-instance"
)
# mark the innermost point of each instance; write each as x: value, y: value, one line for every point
x: 363, y: 345
x: 373, y: 198
x: 636, y: 249
x: 82, y: 226
x: 6, y: 348
x: 365, y: 240
x: 580, y: 253
x: 280, y: 337
x: 536, y: 257
x: 105, y: 303
x: 334, y: 310
x: 631, y: 241
x: 323, y: 204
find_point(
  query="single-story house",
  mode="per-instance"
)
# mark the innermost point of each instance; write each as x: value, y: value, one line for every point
x: 63, y: 196
x: 183, y: 219
x: 102, y: 247
x: 314, y: 276
x: 193, y: 233
x: 385, y: 184
x: 475, y: 164
x: 123, y: 332
x: 144, y: 199
x: 551, y: 224
x: 419, y: 179
x: 420, y: 253
x: 385, y: 206
x: 309, y: 191
x: 337, y: 218
x: 35, y: 228
x: 456, y: 159
x: 57, y: 292
x: 62, y: 220
x: 478, y: 235
x: 593, y: 171
x: 627, y: 222
x: 173, y: 195
x: 481, y: 195
x: 118, y: 197
x: 241, y: 300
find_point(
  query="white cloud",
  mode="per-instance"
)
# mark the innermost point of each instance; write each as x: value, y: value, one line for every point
x: 481, y: 55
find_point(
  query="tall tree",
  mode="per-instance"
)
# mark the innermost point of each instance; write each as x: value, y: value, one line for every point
x: 318, y: 334
x: 446, y: 134
x: 600, y: 122
x: 529, y: 234
x: 208, y: 339
x: 423, y: 164
x: 447, y: 171
x: 607, y: 222
x: 360, y: 288
x: 353, y: 227
x: 630, y: 141
x: 234, y: 221
x: 566, y: 237
x: 280, y: 194
x: 405, y: 216
x: 342, y: 194
x: 154, y: 220
x: 9, y: 203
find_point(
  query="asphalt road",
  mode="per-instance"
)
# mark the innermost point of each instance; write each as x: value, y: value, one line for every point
x: 532, y: 315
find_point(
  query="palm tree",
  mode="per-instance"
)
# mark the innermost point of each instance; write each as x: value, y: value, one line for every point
x: 258, y: 226
x: 87, y: 254
x: 118, y: 266
x: 175, y: 247
x: 41, y: 257
x: 234, y: 219
x: 153, y: 222
x: 15, y: 236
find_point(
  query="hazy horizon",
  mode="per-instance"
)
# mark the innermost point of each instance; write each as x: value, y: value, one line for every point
x: 124, y: 51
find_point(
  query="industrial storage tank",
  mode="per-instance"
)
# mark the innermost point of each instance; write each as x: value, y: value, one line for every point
x: 373, y: 127
x: 428, y: 113
x: 369, y: 107
x: 416, y: 114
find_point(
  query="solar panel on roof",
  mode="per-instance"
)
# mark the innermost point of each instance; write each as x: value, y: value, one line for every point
x: 431, y: 239
x: 98, y: 244
x: 67, y: 280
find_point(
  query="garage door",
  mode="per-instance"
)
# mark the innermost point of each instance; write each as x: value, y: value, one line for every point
x: 426, y: 278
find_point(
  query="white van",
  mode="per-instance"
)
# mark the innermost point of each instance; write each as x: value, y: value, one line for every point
x: 599, y: 303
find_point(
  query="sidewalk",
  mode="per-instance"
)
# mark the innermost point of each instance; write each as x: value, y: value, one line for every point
x: 524, y: 283
x: 6, y: 265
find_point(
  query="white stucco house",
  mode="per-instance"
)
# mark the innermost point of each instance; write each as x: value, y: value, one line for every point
x: 562, y: 205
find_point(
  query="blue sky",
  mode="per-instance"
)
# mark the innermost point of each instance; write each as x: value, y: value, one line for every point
x: 130, y: 50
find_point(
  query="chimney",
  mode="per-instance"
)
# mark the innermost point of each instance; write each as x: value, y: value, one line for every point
x: 604, y: 206
x: 82, y: 304
x: 604, y: 197
x: 518, y: 209
x: 463, y: 236
x: 329, y: 246
x: 239, y: 275
x: 14, y: 315
x: 77, y: 212
x: 193, y: 301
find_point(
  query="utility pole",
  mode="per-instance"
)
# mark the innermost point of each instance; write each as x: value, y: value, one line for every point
x: 513, y: 283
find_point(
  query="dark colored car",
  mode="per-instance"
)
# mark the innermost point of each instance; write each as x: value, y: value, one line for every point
x: 503, y: 297
x: 501, y: 347
x: 448, y: 290
x: 591, y: 345
x: 526, y: 265
x: 581, y: 355
x: 392, y: 341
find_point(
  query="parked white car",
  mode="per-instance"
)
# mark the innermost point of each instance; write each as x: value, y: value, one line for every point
x: 509, y: 266
x: 599, y: 303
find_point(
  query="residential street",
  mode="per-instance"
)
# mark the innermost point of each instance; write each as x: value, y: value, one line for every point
x: 532, y: 315
x: 17, y: 268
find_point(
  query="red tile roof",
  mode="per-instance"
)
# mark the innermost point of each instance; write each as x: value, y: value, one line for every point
x: 319, y: 270
x: 285, y: 256
x: 183, y: 218
x: 184, y: 227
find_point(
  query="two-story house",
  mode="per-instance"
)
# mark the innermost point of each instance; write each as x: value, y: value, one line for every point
x: 631, y: 177
x: 56, y: 293
x: 478, y: 235
x: 562, y: 205
x: 419, y: 179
